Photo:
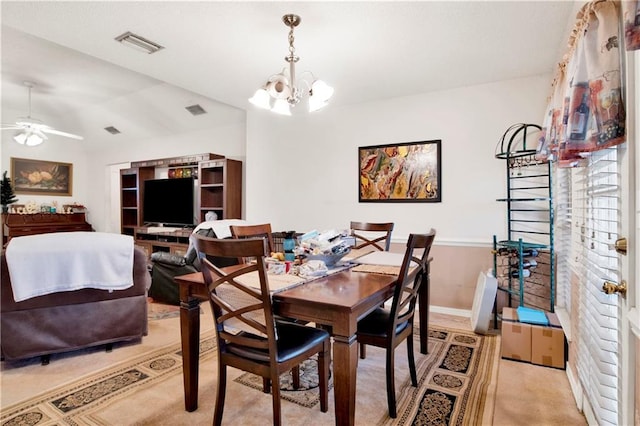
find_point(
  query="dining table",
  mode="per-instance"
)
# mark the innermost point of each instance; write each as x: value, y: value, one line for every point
x: 336, y: 302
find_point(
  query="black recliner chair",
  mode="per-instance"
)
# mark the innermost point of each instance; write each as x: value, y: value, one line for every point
x: 166, y: 265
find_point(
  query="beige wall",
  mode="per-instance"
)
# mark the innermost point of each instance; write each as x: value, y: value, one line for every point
x: 454, y: 273
x: 637, y: 403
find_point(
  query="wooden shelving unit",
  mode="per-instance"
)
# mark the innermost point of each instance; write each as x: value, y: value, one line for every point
x: 131, y: 196
x: 220, y: 187
x: 175, y: 242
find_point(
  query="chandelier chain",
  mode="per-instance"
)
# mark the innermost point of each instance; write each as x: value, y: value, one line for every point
x: 292, y: 50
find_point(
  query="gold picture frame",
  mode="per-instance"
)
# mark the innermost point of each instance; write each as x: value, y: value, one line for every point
x: 38, y: 177
x: 402, y: 172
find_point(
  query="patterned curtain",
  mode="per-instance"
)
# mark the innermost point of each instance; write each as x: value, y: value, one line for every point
x: 586, y: 111
x: 631, y: 17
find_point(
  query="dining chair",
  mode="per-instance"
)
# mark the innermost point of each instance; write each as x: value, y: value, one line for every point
x: 264, y: 231
x: 249, y: 338
x: 387, y: 328
x: 372, y: 234
x: 252, y: 231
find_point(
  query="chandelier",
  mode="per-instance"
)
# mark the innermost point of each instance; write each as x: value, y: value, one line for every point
x: 282, y: 91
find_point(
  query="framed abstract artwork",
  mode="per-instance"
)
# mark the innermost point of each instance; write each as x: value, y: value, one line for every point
x: 39, y: 177
x: 402, y: 172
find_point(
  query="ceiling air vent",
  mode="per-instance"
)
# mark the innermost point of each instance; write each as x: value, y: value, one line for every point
x: 139, y: 43
x: 196, y: 109
x: 112, y: 130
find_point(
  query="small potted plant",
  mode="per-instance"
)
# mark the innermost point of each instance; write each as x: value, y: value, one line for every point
x: 7, y: 196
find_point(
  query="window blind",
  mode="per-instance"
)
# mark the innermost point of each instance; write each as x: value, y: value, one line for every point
x: 562, y: 242
x: 592, y: 216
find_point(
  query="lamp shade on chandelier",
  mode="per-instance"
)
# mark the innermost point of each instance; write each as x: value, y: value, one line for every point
x: 282, y: 91
x: 29, y: 138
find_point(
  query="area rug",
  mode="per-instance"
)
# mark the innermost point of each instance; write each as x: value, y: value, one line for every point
x: 157, y: 311
x: 305, y: 395
x: 453, y: 381
x: 457, y: 382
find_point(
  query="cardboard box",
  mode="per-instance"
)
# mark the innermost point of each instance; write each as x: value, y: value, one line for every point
x: 547, y: 346
x: 540, y: 345
x: 516, y: 337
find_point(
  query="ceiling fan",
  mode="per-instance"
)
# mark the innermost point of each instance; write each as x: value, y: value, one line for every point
x: 32, y: 131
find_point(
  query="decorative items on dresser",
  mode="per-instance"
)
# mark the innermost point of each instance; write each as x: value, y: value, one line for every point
x: 17, y: 225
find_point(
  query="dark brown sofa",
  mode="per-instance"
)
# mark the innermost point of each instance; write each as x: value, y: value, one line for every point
x: 71, y: 320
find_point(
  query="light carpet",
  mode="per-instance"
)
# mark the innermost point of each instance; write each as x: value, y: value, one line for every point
x: 457, y: 382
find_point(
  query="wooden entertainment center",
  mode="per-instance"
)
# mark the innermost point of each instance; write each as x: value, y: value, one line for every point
x: 176, y: 242
x: 218, y: 189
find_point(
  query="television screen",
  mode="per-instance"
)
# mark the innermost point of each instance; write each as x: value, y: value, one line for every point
x: 169, y: 201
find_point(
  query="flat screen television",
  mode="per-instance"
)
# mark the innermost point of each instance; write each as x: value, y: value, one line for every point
x: 169, y: 202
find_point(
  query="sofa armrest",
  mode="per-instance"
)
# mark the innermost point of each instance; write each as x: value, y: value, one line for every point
x: 168, y: 258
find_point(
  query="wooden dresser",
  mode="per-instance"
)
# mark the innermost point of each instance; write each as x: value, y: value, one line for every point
x: 17, y: 225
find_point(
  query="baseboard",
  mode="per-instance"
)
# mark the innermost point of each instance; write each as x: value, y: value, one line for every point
x: 451, y: 311
x: 576, y: 389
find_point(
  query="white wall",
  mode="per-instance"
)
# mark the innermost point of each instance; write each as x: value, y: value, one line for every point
x: 55, y: 149
x: 302, y: 171
x: 226, y: 140
x: 91, y: 186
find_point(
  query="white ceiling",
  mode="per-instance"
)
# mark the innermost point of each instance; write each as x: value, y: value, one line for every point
x: 222, y: 51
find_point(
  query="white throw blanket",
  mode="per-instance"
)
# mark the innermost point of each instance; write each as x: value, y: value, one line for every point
x: 221, y: 227
x: 65, y: 261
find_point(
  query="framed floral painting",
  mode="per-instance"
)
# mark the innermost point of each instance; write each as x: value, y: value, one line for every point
x: 402, y: 172
x: 38, y: 177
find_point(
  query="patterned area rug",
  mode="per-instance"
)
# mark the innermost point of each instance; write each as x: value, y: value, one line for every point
x: 458, y: 388
x: 457, y: 382
x: 74, y: 403
x: 453, y: 381
x: 157, y: 311
x: 306, y: 395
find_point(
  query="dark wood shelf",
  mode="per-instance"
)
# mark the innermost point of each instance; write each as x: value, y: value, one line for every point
x: 219, y: 187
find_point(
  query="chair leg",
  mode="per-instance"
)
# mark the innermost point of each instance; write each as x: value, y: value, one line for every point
x: 266, y: 385
x: 275, y: 400
x: 222, y: 387
x: 412, y: 361
x: 391, y: 388
x: 324, y: 358
x: 363, y: 351
x: 295, y: 375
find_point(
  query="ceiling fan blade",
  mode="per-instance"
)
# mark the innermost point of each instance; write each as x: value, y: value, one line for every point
x: 31, y: 125
x: 10, y: 127
x: 39, y: 133
x: 59, y: 133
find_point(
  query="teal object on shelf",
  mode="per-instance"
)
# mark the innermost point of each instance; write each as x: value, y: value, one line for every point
x: 532, y: 316
x: 289, y: 245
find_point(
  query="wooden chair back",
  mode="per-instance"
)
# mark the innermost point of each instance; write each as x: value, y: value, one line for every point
x: 413, y: 272
x: 235, y: 301
x: 253, y: 231
x: 388, y: 328
x: 376, y: 235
